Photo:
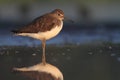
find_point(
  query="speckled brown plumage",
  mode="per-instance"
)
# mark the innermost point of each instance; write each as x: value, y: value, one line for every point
x: 42, y: 23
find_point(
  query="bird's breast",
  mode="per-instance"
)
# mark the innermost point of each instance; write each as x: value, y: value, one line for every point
x: 52, y: 33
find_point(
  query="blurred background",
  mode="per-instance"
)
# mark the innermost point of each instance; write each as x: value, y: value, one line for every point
x: 95, y: 21
x: 89, y: 48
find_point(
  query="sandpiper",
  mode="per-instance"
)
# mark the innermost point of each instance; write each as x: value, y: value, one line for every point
x: 43, y: 28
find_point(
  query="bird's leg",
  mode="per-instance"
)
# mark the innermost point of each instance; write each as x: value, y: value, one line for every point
x: 43, y: 54
x: 37, y: 77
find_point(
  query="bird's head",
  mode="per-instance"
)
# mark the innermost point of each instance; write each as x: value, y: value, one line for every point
x: 58, y: 13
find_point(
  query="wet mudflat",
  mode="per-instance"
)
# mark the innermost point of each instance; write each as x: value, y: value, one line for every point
x: 77, y: 62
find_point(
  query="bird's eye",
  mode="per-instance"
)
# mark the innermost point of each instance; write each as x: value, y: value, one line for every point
x: 58, y: 14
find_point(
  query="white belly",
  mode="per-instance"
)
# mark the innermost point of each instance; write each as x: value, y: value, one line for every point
x: 44, y: 35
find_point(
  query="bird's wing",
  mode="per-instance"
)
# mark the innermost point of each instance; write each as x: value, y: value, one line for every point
x: 40, y: 24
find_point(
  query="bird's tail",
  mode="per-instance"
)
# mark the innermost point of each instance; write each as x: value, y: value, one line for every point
x: 15, y: 31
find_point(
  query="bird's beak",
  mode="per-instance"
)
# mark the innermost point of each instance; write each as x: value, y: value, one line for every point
x: 67, y: 19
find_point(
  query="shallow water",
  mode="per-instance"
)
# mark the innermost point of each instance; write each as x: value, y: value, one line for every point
x: 80, y: 62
